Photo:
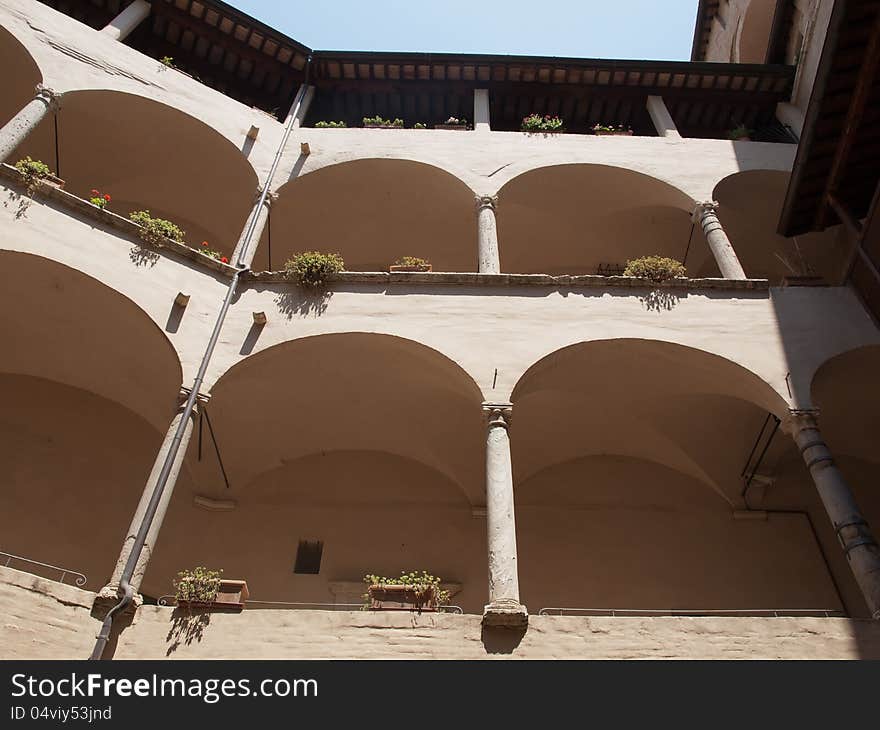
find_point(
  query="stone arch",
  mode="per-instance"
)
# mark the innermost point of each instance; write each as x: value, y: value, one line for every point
x: 21, y: 74
x: 373, y: 211
x: 149, y: 155
x: 571, y: 218
x: 750, y: 204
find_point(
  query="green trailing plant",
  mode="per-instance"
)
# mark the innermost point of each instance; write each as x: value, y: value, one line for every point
x: 425, y: 586
x: 655, y: 268
x: 611, y: 128
x: 412, y: 261
x: 739, y: 132
x: 155, y: 230
x: 167, y: 61
x: 198, y: 585
x: 538, y: 123
x: 330, y: 125
x: 378, y: 121
x: 420, y: 125
x: 33, y: 171
x: 311, y: 268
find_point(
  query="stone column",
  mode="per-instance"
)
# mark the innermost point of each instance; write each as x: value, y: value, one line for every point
x: 852, y: 530
x: 262, y: 215
x: 123, y: 24
x: 109, y: 592
x: 16, y: 130
x: 489, y: 261
x: 661, y: 117
x: 707, y: 216
x: 504, y: 608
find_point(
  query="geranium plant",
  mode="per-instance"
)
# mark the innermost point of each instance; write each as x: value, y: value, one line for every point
x: 455, y: 121
x: 311, y: 268
x: 538, y: 123
x: 611, y: 128
x: 412, y: 261
x: 99, y: 200
x: 33, y: 171
x: 206, y: 249
x: 330, y: 125
x: 655, y: 268
x: 198, y: 585
x: 155, y: 230
x: 425, y: 587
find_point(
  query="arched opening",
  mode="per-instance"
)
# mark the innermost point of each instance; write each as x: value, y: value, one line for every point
x: 588, y: 219
x: 20, y: 76
x: 628, y: 463
x: 368, y: 443
x: 755, y: 32
x: 749, y: 207
x: 88, y: 384
x: 373, y: 212
x: 147, y: 155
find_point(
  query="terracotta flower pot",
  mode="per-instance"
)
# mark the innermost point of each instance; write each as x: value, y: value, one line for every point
x: 231, y: 595
x: 400, y: 598
x: 458, y: 127
x: 400, y: 267
x: 803, y: 281
x: 616, y: 133
x: 53, y: 181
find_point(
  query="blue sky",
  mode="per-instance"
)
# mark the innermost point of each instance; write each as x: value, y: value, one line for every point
x: 636, y: 29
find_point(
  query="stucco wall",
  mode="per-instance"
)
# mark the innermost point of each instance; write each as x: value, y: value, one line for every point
x: 41, y: 619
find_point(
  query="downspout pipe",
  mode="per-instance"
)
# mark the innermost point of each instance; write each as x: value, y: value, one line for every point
x: 131, y: 564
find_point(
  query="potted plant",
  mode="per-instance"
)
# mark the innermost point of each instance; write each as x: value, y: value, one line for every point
x: 414, y: 591
x: 456, y: 123
x: 206, y: 250
x: 611, y: 130
x: 155, y: 230
x: 538, y: 123
x: 203, y: 588
x: 311, y: 268
x: 378, y: 122
x: 330, y: 125
x: 98, y: 199
x: 420, y: 125
x: 739, y: 133
x: 655, y: 268
x: 411, y: 263
x: 35, y: 172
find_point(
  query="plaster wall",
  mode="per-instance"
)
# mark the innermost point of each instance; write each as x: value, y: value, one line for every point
x: 44, y: 620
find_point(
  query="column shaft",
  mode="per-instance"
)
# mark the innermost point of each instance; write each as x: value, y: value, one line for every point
x: 262, y: 215
x: 489, y: 260
x: 504, y: 608
x: 482, y: 122
x: 718, y: 242
x: 123, y: 24
x: 109, y: 591
x: 855, y: 536
x: 16, y: 130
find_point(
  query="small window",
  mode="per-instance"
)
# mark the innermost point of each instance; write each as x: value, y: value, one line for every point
x: 308, y: 557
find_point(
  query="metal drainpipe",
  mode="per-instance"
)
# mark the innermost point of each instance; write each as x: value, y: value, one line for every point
x: 130, y: 565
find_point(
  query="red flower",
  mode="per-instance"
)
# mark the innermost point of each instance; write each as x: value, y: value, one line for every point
x: 224, y: 260
x: 95, y: 193
x: 106, y: 197
x: 205, y: 244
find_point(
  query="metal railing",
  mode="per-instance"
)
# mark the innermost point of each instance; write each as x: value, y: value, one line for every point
x: 169, y: 600
x: 758, y: 612
x: 79, y: 578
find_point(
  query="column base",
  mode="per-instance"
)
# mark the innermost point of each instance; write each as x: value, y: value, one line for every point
x: 505, y: 614
x: 108, y: 597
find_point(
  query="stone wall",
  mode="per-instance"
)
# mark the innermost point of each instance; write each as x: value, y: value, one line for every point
x: 42, y: 619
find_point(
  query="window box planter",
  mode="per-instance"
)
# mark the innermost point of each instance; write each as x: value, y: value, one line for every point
x: 543, y: 131
x: 400, y: 598
x: 803, y: 281
x: 457, y: 127
x: 231, y: 596
x: 53, y: 181
x: 381, y: 126
x: 401, y: 267
x: 615, y: 133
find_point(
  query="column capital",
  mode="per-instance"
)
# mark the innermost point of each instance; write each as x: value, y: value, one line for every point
x: 498, y: 414
x: 798, y: 419
x: 483, y: 202
x: 51, y: 97
x: 271, y: 197
x: 706, y: 206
